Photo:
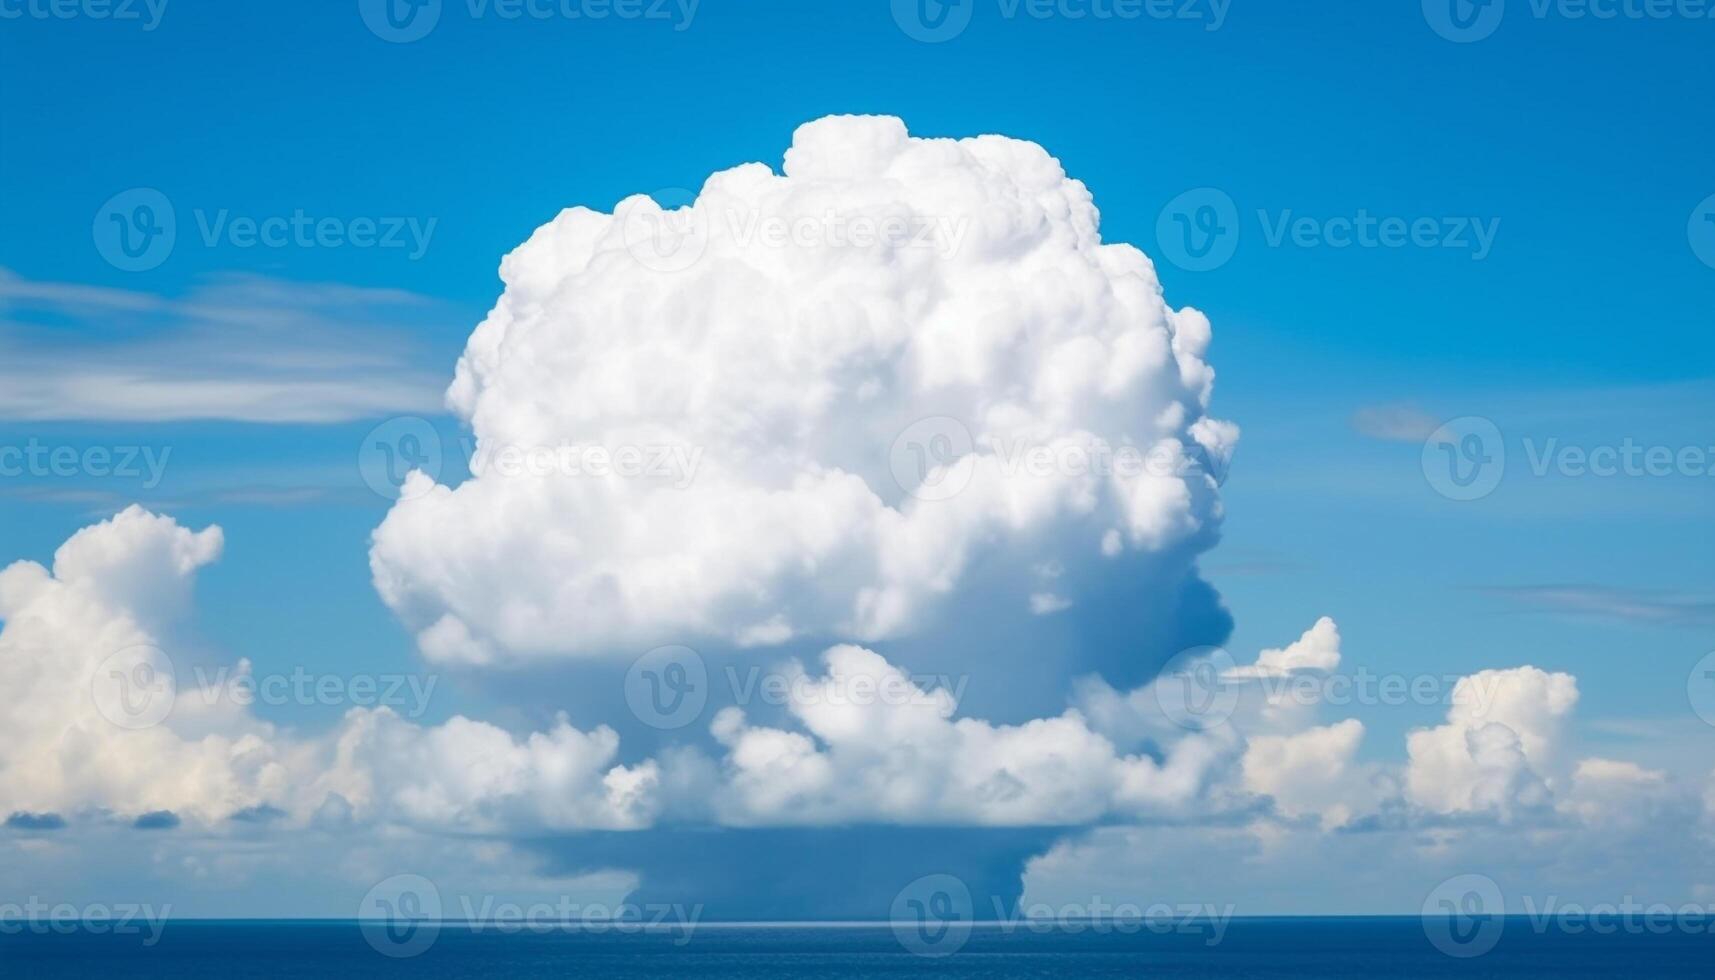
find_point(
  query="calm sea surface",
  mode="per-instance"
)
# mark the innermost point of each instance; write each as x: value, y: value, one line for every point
x: 1299, y: 947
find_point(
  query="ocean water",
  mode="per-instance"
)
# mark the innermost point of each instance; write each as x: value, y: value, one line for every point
x: 1249, y: 948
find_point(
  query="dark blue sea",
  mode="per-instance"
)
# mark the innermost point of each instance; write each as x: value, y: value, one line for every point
x: 1296, y: 947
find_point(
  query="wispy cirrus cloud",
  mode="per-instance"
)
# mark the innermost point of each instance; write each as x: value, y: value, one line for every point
x: 1396, y: 422
x: 236, y: 347
x: 1630, y: 605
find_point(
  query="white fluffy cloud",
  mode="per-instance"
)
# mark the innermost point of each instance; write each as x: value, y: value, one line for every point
x: 88, y: 725
x: 1499, y: 747
x: 905, y: 759
x: 798, y: 370
x: 82, y: 631
x: 1307, y: 772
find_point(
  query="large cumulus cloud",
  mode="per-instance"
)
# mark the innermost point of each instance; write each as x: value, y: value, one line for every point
x: 790, y: 333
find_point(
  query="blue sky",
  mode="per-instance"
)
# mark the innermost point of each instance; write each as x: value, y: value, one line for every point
x: 1583, y: 145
